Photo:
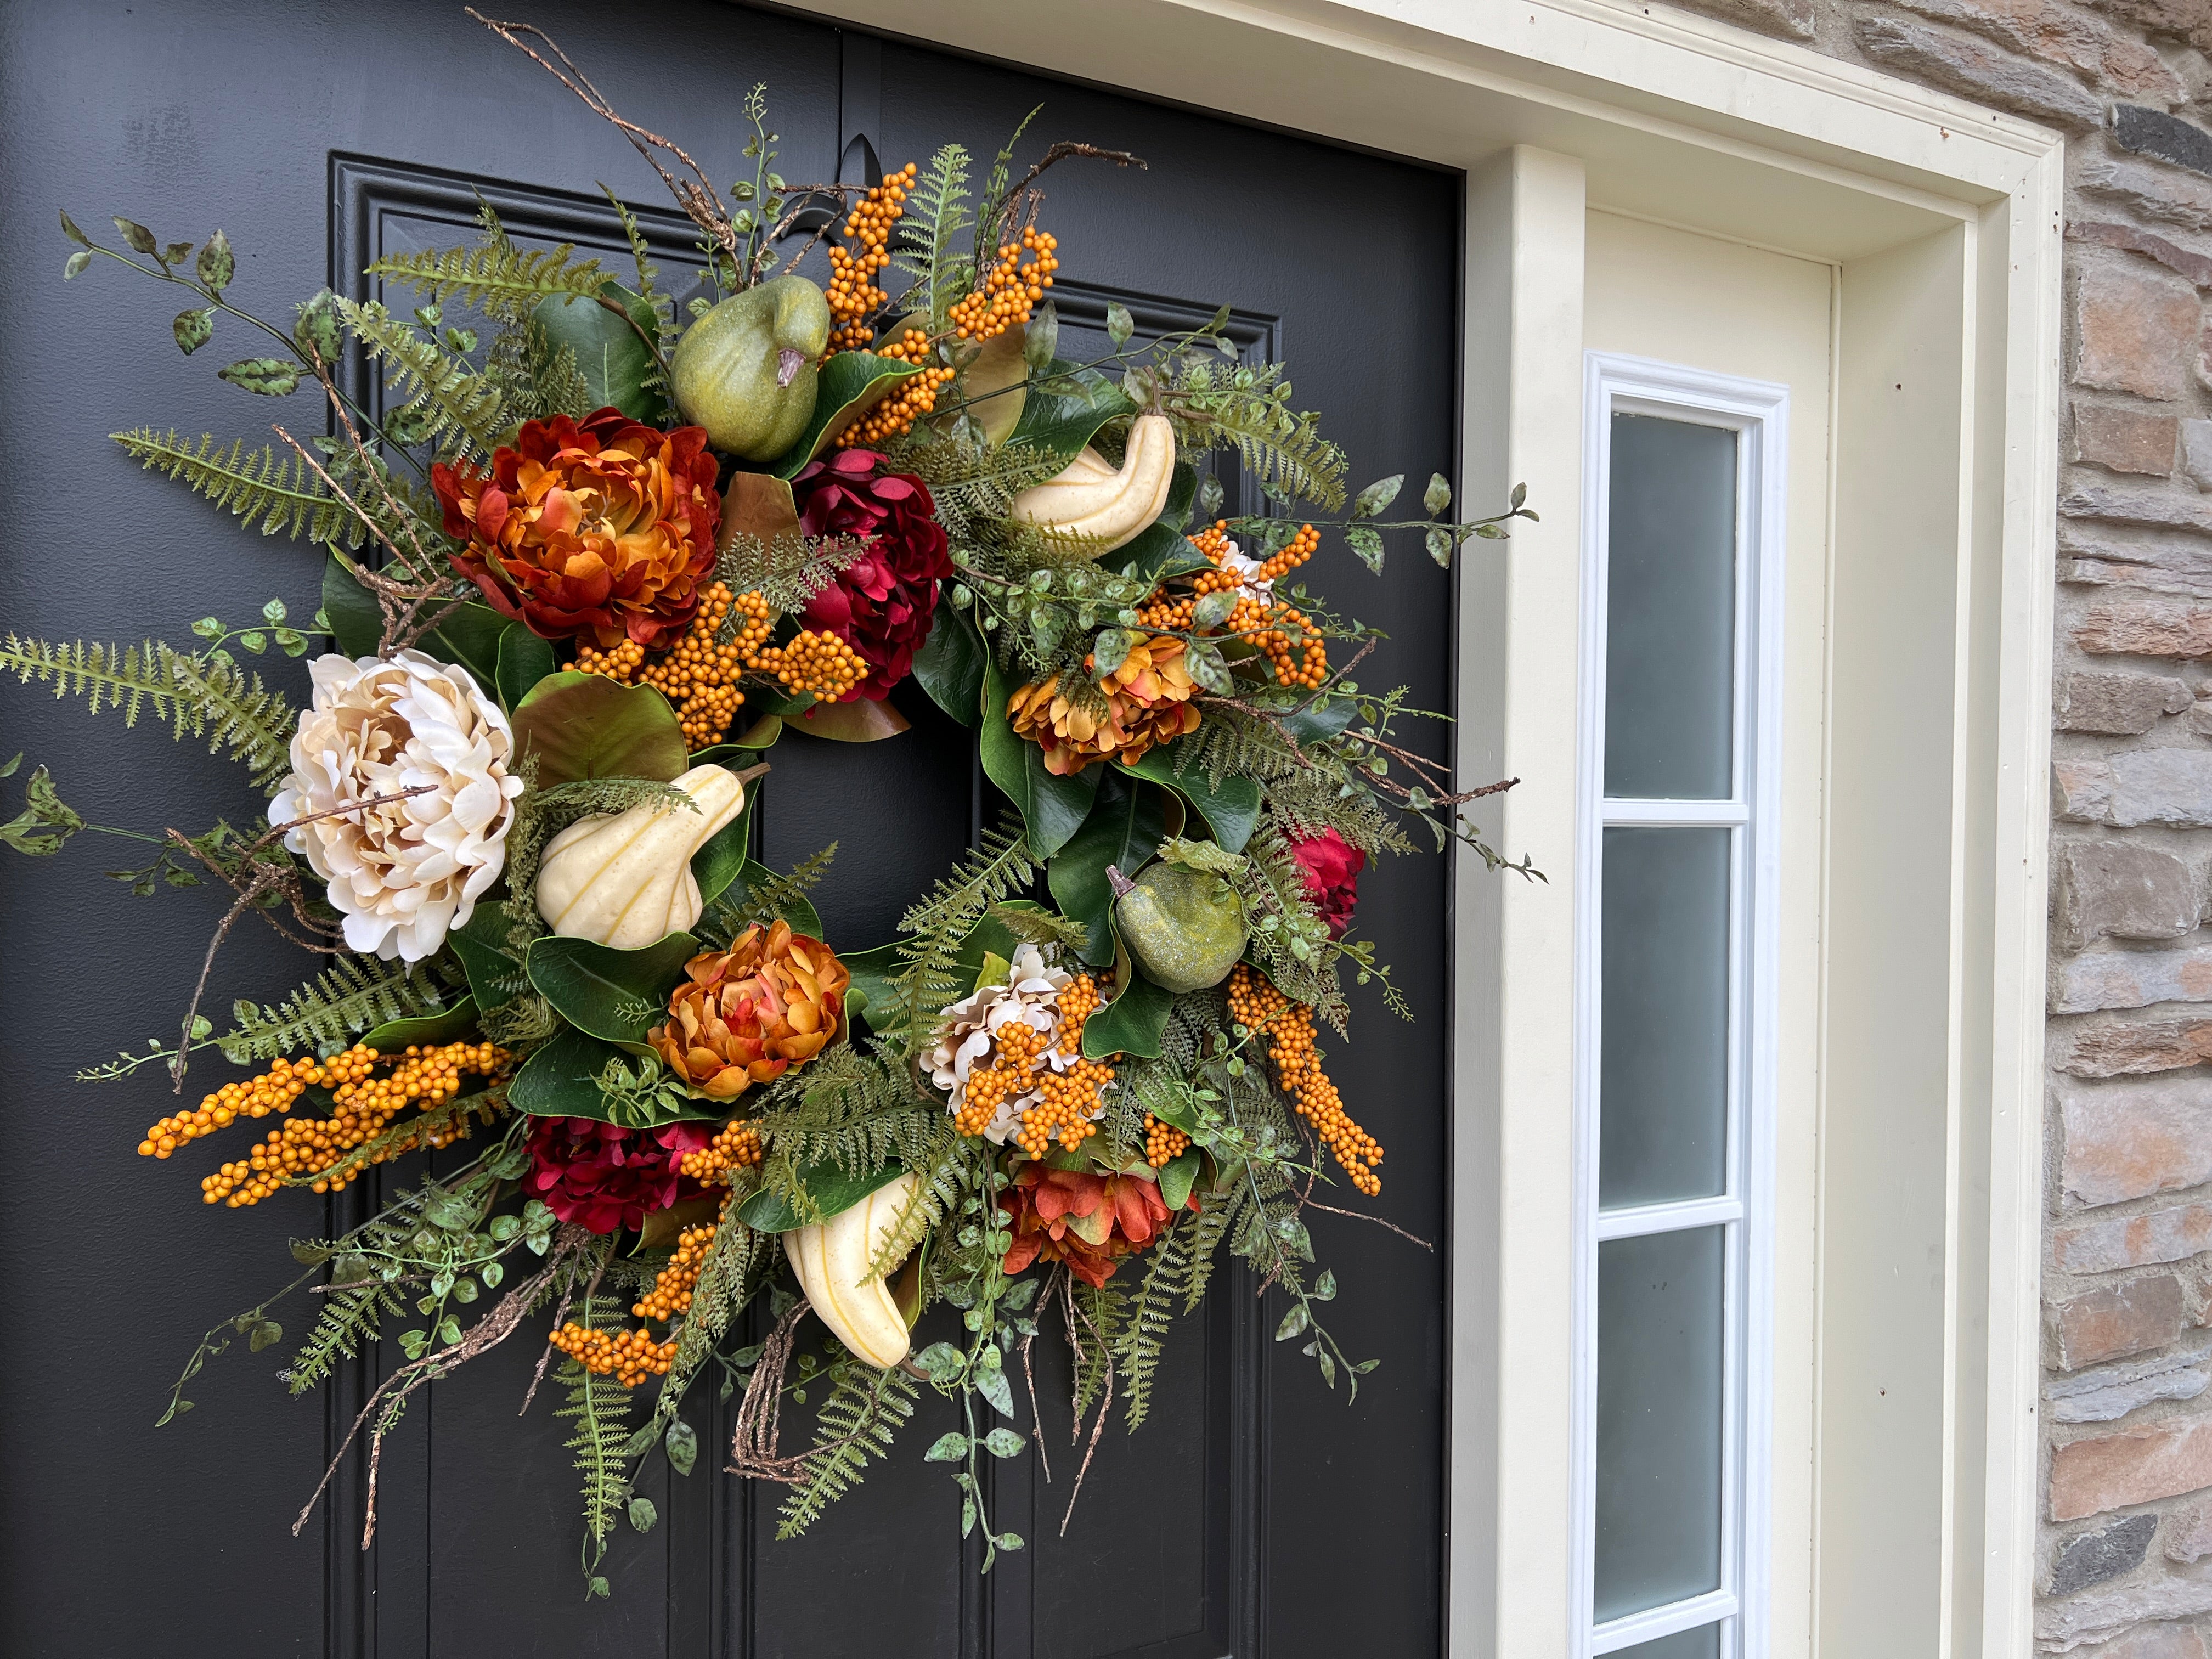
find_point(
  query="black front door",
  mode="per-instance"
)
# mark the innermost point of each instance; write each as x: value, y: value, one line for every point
x: 1256, y: 1513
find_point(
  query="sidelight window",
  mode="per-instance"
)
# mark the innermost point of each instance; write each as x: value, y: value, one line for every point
x: 1675, y: 1019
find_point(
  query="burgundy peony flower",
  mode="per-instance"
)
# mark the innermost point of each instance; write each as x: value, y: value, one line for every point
x: 881, y: 604
x: 602, y: 528
x: 1332, y: 867
x: 602, y: 1177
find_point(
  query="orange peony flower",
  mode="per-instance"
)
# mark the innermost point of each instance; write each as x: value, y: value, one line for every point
x: 746, y: 1014
x: 602, y: 527
x: 1088, y: 1221
x: 1146, y: 701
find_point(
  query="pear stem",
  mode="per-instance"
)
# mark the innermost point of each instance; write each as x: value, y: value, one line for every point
x: 1120, y: 883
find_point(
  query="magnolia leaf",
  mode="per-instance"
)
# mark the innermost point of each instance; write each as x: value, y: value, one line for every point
x: 1053, y: 808
x: 216, y: 265
x: 1133, y: 1021
x: 1040, y: 334
x: 561, y: 1079
x: 430, y: 1030
x: 1062, y: 416
x: 851, y: 383
x: 863, y: 720
x: 829, y: 1188
x: 585, y: 725
x: 661, y: 1229
x: 523, y: 660
x: 617, y: 995
x: 1230, y: 810
x: 194, y: 329
x: 267, y: 377
x: 612, y: 354
x: 496, y: 977
x: 1125, y: 825
x: 950, y: 664
x: 1176, y: 1179
x: 755, y: 504
x: 994, y: 384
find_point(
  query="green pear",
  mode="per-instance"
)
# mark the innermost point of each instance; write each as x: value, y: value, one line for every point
x: 1185, y: 927
x: 745, y: 370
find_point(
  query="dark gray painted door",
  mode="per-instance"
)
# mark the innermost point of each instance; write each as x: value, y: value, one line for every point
x: 1257, y: 1514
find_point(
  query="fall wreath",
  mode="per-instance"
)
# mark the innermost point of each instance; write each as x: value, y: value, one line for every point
x: 597, y: 553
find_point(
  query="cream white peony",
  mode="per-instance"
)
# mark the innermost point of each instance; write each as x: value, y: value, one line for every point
x: 967, y: 1029
x: 402, y: 874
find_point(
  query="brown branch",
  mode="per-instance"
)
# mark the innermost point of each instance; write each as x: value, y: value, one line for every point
x: 1361, y: 1215
x: 697, y: 199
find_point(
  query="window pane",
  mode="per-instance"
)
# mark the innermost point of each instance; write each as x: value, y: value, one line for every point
x: 1670, y: 610
x: 1702, y: 1643
x: 1659, y: 1360
x: 1662, y: 1068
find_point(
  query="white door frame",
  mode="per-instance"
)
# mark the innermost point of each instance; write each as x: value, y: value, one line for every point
x: 1942, y: 219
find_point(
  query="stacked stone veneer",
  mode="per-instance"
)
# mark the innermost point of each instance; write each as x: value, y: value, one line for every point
x: 2124, y: 1565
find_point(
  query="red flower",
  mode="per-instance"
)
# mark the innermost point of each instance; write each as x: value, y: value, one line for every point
x: 882, y: 603
x: 603, y: 527
x: 1332, y: 867
x: 602, y: 1177
x: 1088, y: 1221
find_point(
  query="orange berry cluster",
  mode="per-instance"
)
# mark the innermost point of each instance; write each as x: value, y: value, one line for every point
x: 698, y: 676
x: 853, y: 293
x: 303, y: 1148
x: 1014, y: 1050
x: 671, y: 1294
x: 1070, y: 1105
x: 1296, y: 655
x: 631, y: 1356
x: 273, y: 1090
x: 1164, y: 1142
x: 1259, y: 1006
x: 1010, y: 288
x: 914, y: 397
x: 816, y: 661
x: 736, y: 1145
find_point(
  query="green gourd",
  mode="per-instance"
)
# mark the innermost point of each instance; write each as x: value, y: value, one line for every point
x: 745, y: 371
x: 1185, y: 927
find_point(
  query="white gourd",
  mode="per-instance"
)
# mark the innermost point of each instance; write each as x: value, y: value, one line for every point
x: 1092, y: 499
x: 831, y: 1258
x: 624, y: 878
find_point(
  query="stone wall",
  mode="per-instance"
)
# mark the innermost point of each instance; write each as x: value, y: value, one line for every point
x: 2125, y: 1567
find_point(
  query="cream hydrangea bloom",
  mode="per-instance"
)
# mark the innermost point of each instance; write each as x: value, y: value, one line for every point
x: 403, y: 873
x: 967, y: 1029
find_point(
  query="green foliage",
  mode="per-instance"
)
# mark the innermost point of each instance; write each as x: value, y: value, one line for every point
x: 930, y: 974
x: 599, y: 1407
x: 663, y: 307
x: 765, y: 898
x: 1246, y: 408
x: 851, y: 1111
x: 45, y: 824
x: 854, y: 1428
x: 277, y: 494
x: 787, y: 570
x: 1137, y: 1349
x: 535, y: 378
x: 1103, y: 1311
x: 448, y: 403
x: 204, y: 694
x: 936, y: 212
x: 498, y: 278
x: 355, y: 994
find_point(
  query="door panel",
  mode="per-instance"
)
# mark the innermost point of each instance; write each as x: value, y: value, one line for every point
x: 1256, y: 1512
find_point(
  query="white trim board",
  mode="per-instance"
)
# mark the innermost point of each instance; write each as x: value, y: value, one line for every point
x: 1942, y: 221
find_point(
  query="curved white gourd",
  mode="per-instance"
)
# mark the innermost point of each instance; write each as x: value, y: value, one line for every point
x: 830, y: 1260
x: 1089, y: 498
x: 624, y: 878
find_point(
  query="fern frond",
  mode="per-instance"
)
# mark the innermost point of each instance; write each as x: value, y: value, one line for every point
x: 787, y: 570
x: 446, y: 398
x: 663, y: 307
x: 350, y: 1318
x: 1218, y: 406
x: 1104, y: 1311
x: 936, y: 212
x: 1207, y: 1229
x: 1152, y: 1310
x: 200, y: 694
x: 597, y: 1405
x: 355, y: 994
x: 856, y: 1111
x: 932, y: 1199
x: 498, y: 277
x: 930, y: 975
x: 534, y: 378
x: 275, y: 494
x: 855, y: 1428
x: 767, y: 900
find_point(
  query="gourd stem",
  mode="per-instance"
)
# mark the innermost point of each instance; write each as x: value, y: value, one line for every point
x: 1120, y: 883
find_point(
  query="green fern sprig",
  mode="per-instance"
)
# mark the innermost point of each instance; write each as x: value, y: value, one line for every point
x: 931, y: 974
x: 535, y: 379
x: 498, y: 278
x: 854, y: 1428
x: 936, y: 212
x: 786, y: 570
x: 355, y: 994
x: 275, y: 494
x: 597, y: 1405
x: 649, y: 275
x: 773, y: 897
x: 200, y: 694
x: 1103, y: 1311
x: 1152, y: 1310
x: 1244, y: 408
x: 446, y: 399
